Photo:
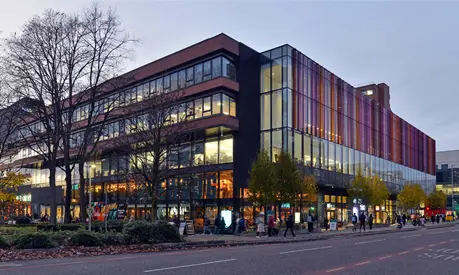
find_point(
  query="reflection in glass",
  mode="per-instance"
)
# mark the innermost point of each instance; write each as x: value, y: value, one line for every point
x: 226, y: 150
x: 211, y: 149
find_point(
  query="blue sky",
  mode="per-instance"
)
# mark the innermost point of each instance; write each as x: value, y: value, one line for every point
x: 411, y: 46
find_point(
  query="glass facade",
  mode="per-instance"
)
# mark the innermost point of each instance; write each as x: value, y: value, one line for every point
x: 324, y: 123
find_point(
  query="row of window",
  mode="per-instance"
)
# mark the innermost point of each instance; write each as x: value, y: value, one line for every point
x: 208, y: 152
x: 319, y: 153
x: 194, y: 109
x: 217, y: 67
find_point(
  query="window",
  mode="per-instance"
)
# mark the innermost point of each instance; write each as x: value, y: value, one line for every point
x: 167, y: 83
x: 266, y: 78
x: 226, y: 150
x: 198, y: 73
x: 444, y: 166
x: 229, y: 70
x: 232, y: 107
x: 182, y: 79
x: 189, y: 110
x: 198, y: 108
x: 207, y: 74
x: 198, y: 154
x: 369, y: 92
x: 226, y: 184
x: 265, y: 111
x: 266, y: 141
x: 207, y: 111
x: 276, y: 74
x: 276, y: 145
x: 185, y: 155
x: 152, y: 87
x: 225, y: 105
x: 216, y: 104
x: 189, y: 76
x: 216, y: 67
x: 211, y: 149
x: 315, y: 152
x: 146, y: 91
x: 277, y: 109
x: 307, y: 150
x: 173, y: 158
x: 174, y: 81
x: 159, y: 85
x: 182, y: 112
x: 297, y: 153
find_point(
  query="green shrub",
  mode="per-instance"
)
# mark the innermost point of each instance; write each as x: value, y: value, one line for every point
x: 70, y: 227
x: 114, y: 238
x: 112, y: 226
x: 85, y: 238
x: 46, y: 227
x: 139, y: 231
x: 165, y: 232
x: 61, y: 237
x: 3, y: 243
x: 34, y: 240
x: 21, y: 220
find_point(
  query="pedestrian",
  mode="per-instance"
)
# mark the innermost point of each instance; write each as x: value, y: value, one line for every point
x: 326, y: 224
x: 404, y: 219
x: 362, y: 219
x: 260, y: 225
x: 207, y: 226
x: 234, y: 223
x: 432, y: 219
x: 241, y: 225
x: 289, y: 224
x: 270, y: 226
x: 222, y: 226
x: 354, y: 222
x: 310, y: 221
x: 370, y: 221
x: 438, y: 218
x: 216, y: 225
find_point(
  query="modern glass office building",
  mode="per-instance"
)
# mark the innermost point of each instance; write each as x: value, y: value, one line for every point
x: 239, y: 101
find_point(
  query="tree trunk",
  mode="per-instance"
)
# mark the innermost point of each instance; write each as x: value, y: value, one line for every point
x: 153, y: 207
x: 82, y: 191
x: 52, y: 185
x: 68, y: 194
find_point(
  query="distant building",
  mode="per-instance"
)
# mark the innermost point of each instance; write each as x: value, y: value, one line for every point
x: 447, y: 164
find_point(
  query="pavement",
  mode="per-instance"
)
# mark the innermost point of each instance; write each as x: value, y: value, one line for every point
x: 432, y: 250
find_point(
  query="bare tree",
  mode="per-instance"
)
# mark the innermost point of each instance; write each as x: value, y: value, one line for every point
x: 151, y: 138
x: 105, y: 45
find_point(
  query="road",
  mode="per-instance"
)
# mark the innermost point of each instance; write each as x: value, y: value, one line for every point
x: 434, y: 251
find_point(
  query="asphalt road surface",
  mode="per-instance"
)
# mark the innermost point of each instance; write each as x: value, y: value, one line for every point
x: 434, y: 251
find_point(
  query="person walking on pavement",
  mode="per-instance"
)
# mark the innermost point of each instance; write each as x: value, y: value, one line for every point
x: 289, y: 224
x: 234, y: 223
x: 270, y: 226
x: 207, y: 226
x: 354, y: 222
x: 438, y: 218
x: 326, y: 224
x: 222, y: 226
x: 217, y: 225
x: 241, y: 225
x: 362, y: 219
x: 370, y: 221
x: 432, y: 219
x: 404, y: 219
x: 310, y: 220
x: 260, y: 225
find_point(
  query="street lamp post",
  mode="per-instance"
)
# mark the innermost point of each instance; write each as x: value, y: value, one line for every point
x: 106, y: 207
x: 452, y: 189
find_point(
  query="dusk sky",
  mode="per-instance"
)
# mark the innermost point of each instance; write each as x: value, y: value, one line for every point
x: 411, y: 46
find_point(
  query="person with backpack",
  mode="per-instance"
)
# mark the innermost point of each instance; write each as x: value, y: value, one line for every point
x: 310, y: 221
x: 362, y: 219
x: 370, y: 221
x: 241, y: 225
x: 354, y: 222
x: 289, y: 224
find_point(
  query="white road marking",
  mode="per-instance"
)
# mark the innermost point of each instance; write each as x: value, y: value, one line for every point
x: 404, y: 252
x: 385, y: 257
x: 9, y: 265
x: 336, y: 269
x: 411, y: 236
x: 374, y: 241
x: 430, y: 245
x: 307, y: 249
x: 190, y: 265
x: 419, y: 248
x: 435, y: 233
x: 455, y: 230
x: 362, y: 263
